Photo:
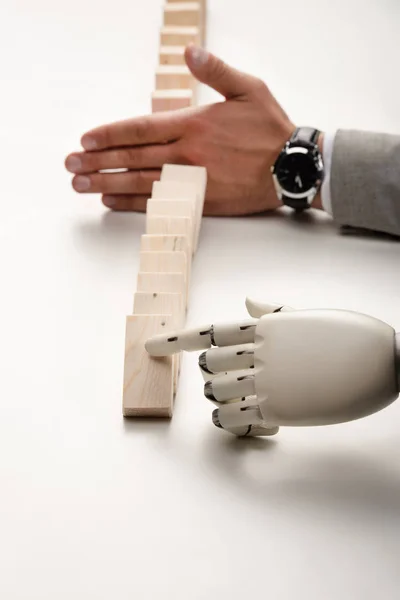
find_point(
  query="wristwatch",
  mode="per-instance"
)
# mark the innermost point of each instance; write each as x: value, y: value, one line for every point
x: 299, y: 171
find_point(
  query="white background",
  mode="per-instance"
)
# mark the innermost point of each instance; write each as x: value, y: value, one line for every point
x: 95, y: 508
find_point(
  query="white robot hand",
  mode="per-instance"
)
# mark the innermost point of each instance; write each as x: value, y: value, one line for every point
x: 294, y: 368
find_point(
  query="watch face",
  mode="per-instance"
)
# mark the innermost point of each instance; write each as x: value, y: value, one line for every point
x: 297, y: 172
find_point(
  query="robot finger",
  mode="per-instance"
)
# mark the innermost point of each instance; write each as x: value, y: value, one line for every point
x: 227, y: 358
x: 229, y: 386
x: 245, y: 430
x: 259, y: 309
x: 238, y: 417
x: 203, y: 337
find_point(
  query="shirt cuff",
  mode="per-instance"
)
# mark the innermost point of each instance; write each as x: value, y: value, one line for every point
x: 327, y: 152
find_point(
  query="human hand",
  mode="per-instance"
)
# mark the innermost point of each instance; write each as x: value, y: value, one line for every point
x: 294, y: 368
x: 237, y: 140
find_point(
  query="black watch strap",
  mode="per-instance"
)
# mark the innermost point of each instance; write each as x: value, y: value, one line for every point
x: 305, y: 135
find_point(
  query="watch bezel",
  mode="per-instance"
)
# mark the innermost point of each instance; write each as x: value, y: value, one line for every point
x: 300, y: 148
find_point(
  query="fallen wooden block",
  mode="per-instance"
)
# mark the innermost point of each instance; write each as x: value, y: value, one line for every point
x: 180, y: 36
x: 175, y: 77
x: 165, y: 100
x: 172, y: 55
x: 148, y: 382
x: 184, y: 14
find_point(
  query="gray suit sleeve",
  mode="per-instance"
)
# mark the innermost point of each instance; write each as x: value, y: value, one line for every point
x: 365, y: 180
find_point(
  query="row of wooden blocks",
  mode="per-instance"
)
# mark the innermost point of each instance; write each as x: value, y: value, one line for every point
x: 184, y: 24
x: 173, y: 219
x: 173, y: 222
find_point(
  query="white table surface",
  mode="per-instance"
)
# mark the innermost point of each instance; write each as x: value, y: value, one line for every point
x: 95, y: 508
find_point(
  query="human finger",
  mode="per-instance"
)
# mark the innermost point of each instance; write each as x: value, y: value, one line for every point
x: 129, y: 182
x: 158, y: 128
x: 126, y: 202
x: 133, y: 158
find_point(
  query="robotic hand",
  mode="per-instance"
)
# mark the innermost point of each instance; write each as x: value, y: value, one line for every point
x: 295, y: 368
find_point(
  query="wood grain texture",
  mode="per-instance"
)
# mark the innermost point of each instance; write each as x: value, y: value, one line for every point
x: 165, y: 100
x: 148, y: 382
x: 166, y: 243
x: 163, y: 303
x: 180, y: 36
x: 184, y: 14
x: 170, y: 225
x: 171, y: 77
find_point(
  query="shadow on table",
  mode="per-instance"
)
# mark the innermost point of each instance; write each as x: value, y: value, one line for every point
x: 111, y: 232
x: 353, y: 483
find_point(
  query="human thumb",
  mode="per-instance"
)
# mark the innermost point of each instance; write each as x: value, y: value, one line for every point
x: 212, y: 71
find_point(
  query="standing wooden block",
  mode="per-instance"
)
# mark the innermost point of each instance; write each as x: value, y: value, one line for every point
x: 175, y: 177
x: 174, y: 78
x: 162, y: 282
x: 188, y: 192
x: 166, y: 243
x: 172, y: 55
x: 165, y: 100
x: 180, y: 36
x: 164, y: 262
x: 148, y: 382
x: 184, y: 14
x: 168, y: 225
x: 161, y: 303
x: 170, y: 207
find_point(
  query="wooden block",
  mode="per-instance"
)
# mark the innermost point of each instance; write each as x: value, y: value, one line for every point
x: 186, y: 174
x: 172, y: 55
x: 163, y: 304
x: 180, y: 36
x: 165, y: 100
x: 164, y: 262
x: 166, y: 243
x: 148, y: 382
x: 184, y: 14
x: 177, y: 190
x: 162, y: 282
x: 182, y: 175
x: 174, y: 77
x: 170, y: 225
x: 169, y: 207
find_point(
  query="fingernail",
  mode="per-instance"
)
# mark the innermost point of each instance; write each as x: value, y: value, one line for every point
x: 109, y: 201
x: 81, y: 184
x: 89, y: 143
x: 198, y: 56
x: 73, y: 164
